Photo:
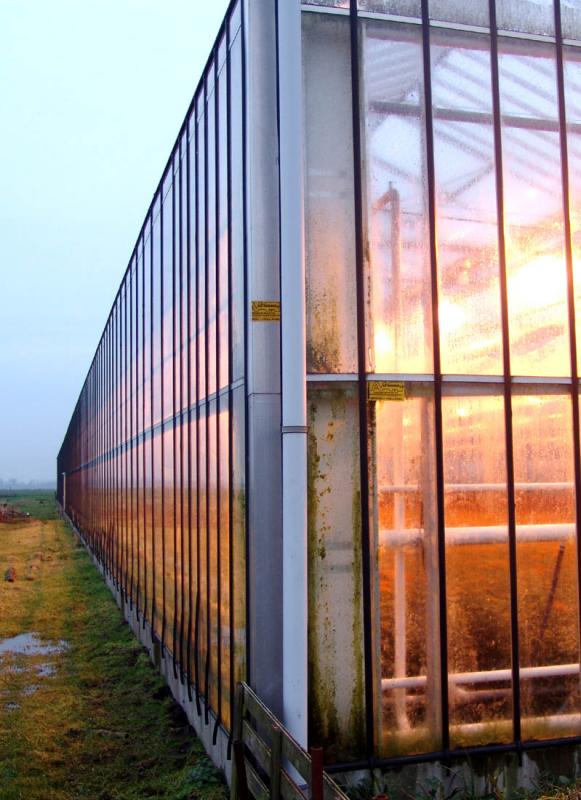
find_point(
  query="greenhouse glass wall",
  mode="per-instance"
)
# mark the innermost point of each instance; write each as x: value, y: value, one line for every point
x: 330, y: 439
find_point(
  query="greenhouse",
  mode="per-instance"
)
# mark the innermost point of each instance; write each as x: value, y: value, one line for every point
x: 329, y: 443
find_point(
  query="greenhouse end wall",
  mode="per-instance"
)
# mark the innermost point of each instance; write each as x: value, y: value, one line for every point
x: 443, y: 197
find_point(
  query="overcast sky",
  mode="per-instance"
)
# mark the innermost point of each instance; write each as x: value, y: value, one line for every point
x: 92, y: 95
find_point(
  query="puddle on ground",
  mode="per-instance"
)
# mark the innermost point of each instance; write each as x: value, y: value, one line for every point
x: 30, y: 644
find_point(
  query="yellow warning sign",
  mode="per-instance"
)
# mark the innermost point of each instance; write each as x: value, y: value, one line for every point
x: 386, y: 390
x: 266, y: 310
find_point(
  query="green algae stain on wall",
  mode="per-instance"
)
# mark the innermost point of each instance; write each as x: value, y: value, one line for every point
x: 336, y: 670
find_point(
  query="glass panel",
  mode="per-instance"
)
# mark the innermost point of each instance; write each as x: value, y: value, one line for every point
x: 572, y: 70
x: 178, y: 563
x: 571, y: 19
x: 158, y: 549
x: 331, y: 3
x: 223, y: 234
x: 185, y: 533
x: 396, y: 200
x: 237, y: 188
x: 225, y: 566
x: 202, y: 522
x: 405, y: 8
x: 156, y: 313
x: 528, y: 16
x: 138, y: 421
x: 336, y: 679
x: 473, y: 13
x: 536, y: 272
x: 211, y: 322
x: 239, y: 532
x: 201, y: 260
x: 469, y: 293
x: 330, y: 242
x: 168, y: 534
x: 405, y: 523
x: 168, y: 290
x: 479, y: 642
x: 546, y: 563
x: 213, y: 545
x: 183, y: 289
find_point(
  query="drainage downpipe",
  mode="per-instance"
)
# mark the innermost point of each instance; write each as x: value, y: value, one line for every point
x: 293, y: 364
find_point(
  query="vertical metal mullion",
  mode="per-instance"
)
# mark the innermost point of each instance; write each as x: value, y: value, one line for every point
x: 109, y: 450
x: 130, y: 437
x: 181, y: 408
x: 218, y: 400
x: 207, y: 415
x: 231, y: 620
x: 162, y: 385
x: 189, y: 402
x: 198, y: 465
x: 362, y: 379
x: 245, y: 238
x: 125, y: 465
x: 100, y: 452
x: 137, y: 436
x: 174, y: 426
x: 98, y: 459
x: 113, y: 386
x: 570, y: 290
x: 514, y: 626
x: 438, y: 423
x: 118, y: 539
x: 143, y: 425
x: 121, y: 451
x: 151, y: 417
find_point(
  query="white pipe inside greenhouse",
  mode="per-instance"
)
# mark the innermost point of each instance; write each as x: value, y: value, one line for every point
x: 293, y: 357
x: 484, y: 534
x: 541, y: 486
x: 484, y: 676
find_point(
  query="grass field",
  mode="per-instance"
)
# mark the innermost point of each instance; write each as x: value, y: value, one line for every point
x: 83, y: 713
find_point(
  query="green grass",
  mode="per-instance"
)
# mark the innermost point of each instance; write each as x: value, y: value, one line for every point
x: 102, y: 726
x: 39, y: 504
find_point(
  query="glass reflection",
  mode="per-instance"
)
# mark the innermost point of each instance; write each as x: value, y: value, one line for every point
x: 396, y: 200
x: 537, y: 278
x: 468, y: 272
x: 477, y: 567
x: 405, y: 522
x: 546, y: 563
x: 572, y: 75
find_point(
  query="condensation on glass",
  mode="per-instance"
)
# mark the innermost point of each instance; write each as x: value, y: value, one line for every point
x: 330, y: 243
x: 336, y: 679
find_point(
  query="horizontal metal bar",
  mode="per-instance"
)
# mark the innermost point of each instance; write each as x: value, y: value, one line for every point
x: 483, y: 676
x: 485, y: 534
x: 481, y: 487
x: 472, y: 117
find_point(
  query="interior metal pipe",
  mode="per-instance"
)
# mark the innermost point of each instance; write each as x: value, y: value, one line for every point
x: 483, y: 487
x: 293, y: 365
x: 485, y: 534
x: 484, y: 676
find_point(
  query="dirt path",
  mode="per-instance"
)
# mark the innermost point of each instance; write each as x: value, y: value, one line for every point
x: 83, y: 714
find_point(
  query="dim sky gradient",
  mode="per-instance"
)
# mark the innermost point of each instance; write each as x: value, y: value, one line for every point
x: 92, y: 95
